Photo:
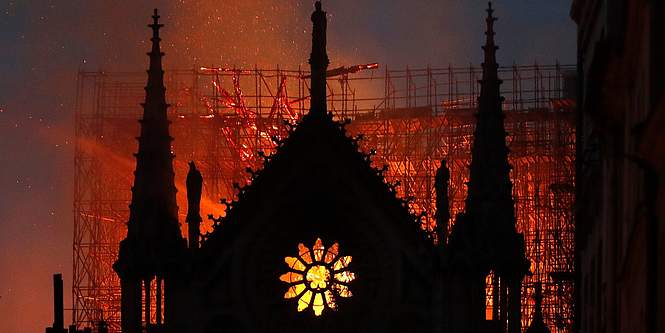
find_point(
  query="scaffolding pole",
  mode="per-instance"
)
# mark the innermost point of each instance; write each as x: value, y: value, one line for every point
x: 413, y: 118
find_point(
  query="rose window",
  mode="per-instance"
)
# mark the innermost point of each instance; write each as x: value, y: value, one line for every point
x: 317, y: 276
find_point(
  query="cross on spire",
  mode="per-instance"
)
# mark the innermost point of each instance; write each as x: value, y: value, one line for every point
x: 489, y: 64
x: 155, y: 54
x: 155, y: 88
x: 155, y: 25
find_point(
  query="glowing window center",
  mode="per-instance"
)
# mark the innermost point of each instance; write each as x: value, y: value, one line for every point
x: 317, y: 276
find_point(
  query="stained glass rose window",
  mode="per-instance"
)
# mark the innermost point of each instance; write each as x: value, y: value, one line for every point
x: 317, y: 276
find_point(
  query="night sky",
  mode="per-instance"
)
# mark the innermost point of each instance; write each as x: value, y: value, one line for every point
x: 44, y: 43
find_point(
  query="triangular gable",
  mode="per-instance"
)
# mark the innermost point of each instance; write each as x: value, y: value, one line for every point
x: 318, y: 150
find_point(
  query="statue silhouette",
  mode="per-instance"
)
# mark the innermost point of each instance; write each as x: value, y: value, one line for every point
x: 194, y: 186
x: 441, y: 183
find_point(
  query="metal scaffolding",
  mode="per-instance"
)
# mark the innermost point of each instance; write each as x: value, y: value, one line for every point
x: 223, y: 117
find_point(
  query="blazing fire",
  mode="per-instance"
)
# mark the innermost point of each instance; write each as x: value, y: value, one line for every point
x: 229, y: 118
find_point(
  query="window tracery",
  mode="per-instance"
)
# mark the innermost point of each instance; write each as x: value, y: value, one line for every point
x: 317, y: 276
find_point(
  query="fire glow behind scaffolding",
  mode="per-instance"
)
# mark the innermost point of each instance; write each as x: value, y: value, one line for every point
x: 222, y: 118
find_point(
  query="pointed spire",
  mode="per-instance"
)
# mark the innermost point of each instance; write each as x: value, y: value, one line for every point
x: 318, y: 61
x: 489, y: 178
x: 489, y: 203
x: 154, y: 184
x: 154, y: 243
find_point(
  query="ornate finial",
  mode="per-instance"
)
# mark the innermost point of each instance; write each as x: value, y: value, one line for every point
x: 155, y: 86
x: 155, y: 24
x: 490, y: 20
x: 490, y: 47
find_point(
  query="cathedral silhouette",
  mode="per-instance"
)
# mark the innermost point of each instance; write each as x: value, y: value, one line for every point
x: 319, y: 241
